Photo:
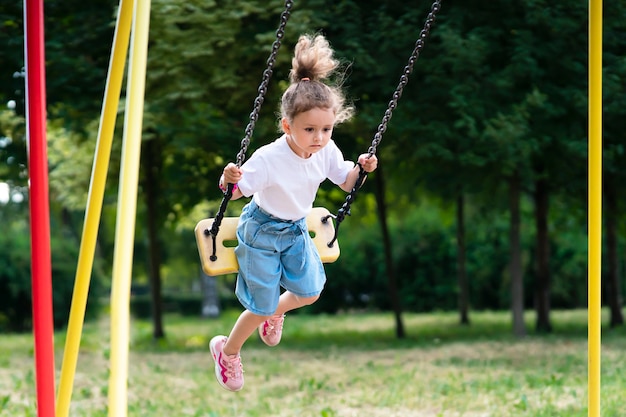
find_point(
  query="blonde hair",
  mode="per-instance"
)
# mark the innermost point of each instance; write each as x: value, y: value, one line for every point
x: 312, y: 64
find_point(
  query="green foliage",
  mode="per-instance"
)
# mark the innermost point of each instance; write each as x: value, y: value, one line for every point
x: 64, y: 259
x: 70, y: 161
x: 183, y: 304
x: 424, y: 250
x: 569, y: 260
x: 488, y: 257
x: 78, y: 39
x: 141, y: 306
x: 15, y: 273
x: 15, y: 280
x: 13, y: 157
x: 190, y: 305
x: 425, y: 261
x: 499, y: 88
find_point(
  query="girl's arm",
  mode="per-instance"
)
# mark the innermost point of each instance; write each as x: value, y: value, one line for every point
x: 369, y: 164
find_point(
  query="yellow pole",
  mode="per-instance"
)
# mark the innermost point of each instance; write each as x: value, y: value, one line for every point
x: 127, y: 205
x: 94, y: 206
x: 595, y: 205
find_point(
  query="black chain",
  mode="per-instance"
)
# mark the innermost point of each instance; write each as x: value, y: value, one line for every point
x: 267, y: 74
x: 254, y: 115
x: 382, y: 127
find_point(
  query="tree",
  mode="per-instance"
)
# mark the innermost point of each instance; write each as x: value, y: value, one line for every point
x: 77, y: 40
x: 394, y: 296
x: 614, y: 152
x: 461, y: 261
x: 457, y: 125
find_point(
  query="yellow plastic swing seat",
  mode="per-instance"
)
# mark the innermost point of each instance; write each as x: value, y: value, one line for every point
x: 226, y: 240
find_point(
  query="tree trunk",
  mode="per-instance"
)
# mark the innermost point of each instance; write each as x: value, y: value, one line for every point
x: 150, y: 186
x: 515, y: 267
x: 613, y: 288
x: 460, y: 260
x: 542, y: 285
x: 391, y: 275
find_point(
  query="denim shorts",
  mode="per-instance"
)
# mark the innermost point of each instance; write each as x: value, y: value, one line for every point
x: 274, y: 253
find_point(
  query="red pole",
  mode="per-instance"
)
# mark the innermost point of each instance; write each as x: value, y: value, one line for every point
x: 41, y: 274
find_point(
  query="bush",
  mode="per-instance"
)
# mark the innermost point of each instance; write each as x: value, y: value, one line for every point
x: 424, y: 255
x: 15, y: 278
x: 16, y: 281
x: 141, y: 306
x: 190, y: 305
x: 185, y: 305
x: 424, y: 261
x: 64, y: 262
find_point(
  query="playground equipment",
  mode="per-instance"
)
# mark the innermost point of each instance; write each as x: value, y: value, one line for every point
x: 137, y: 14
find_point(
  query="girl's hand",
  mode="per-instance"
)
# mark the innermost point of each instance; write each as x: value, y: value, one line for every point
x: 232, y: 174
x: 367, y: 162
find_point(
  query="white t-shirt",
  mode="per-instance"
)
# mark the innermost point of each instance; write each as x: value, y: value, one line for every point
x: 284, y: 184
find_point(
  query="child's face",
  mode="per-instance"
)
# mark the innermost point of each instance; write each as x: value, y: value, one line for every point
x: 309, y: 131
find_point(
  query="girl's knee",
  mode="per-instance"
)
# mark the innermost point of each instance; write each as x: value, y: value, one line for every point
x: 305, y: 301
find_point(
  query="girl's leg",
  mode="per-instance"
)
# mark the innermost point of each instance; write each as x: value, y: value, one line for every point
x: 246, y: 324
x: 271, y: 329
x: 289, y: 301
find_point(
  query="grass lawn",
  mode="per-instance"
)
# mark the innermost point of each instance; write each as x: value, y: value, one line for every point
x: 340, y: 366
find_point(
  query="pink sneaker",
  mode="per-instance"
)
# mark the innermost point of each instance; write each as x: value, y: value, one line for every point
x: 271, y: 330
x: 228, y: 369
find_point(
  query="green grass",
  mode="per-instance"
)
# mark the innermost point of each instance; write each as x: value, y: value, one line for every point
x: 340, y: 366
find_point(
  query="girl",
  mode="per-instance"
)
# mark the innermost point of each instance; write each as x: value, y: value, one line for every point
x: 274, y: 249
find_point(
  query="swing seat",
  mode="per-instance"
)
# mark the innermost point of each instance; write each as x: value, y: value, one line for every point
x: 226, y: 241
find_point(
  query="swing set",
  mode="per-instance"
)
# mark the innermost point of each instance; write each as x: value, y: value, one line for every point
x: 135, y: 14
x: 217, y: 250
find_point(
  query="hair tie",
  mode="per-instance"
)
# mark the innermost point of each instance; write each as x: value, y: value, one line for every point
x: 305, y: 79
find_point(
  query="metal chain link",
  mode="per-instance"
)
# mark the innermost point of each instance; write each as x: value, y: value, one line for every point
x: 267, y: 74
x: 254, y: 115
x: 404, y: 79
x: 382, y: 127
